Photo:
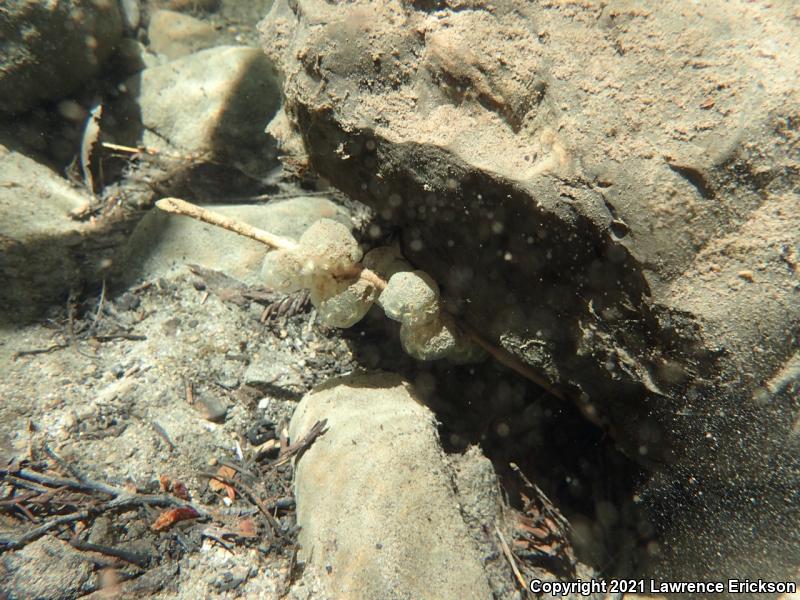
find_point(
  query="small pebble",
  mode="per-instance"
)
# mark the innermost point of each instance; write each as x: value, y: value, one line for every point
x: 212, y: 408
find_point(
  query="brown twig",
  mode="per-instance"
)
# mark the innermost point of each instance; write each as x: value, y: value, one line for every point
x: 99, y: 312
x: 61, y: 462
x: 53, y: 348
x: 48, y: 485
x: 297, y: 448
x: 510, y: 557
x: 119, y: 336
x: 504, y: 357
x: 37, y: 532
x: 162, y: 434
x: 240, y: 487
x: 130, y: 557
x: 181, y: 207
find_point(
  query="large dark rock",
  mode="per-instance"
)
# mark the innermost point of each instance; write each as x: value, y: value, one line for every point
x: 610, y: 193
x: 50, y: 49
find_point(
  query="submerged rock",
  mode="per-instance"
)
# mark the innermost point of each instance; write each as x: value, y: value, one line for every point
x: 163, y: 243
x: 40, y: 256
x: 50, y: 49
x: 174, y: 34
x: 212, y: 106
x: 587, y: 185
x: 378, y: 514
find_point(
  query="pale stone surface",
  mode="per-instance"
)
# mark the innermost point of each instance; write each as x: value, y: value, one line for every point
x: 32, y: 572
x: 375, y: 500
x: 213, y: 105
x: 38, y: 238
x: 175, y: 34
x: 164, y: 243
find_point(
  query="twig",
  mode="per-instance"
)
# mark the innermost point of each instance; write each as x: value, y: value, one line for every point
x: 181, y: 207
x: 548, y: 507
x: 100, y: 338
x: 99, y: 311
x: 35, y: 351
x: 134, y: 150
x: 510, y: 557
x: 162, y: 434
x: 240, y: 486
x: 286, y: 584
x: 120, y: 499
x: 62, y: 463
x: 506, y: 358
x: 130, y: 557
x: 81, y: 486
x: 120, y: 336
x: 301, y: 446
x: 237, y: 468
x: 218, y: 535
x: 36, y: 532
x: 73, y: 338
x: 15, y: 503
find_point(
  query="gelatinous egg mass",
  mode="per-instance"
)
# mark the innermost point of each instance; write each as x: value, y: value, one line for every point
x: 343, y: 304
x: 330, y: 246
x: 327, y: 250
x: 411, y: 297
x: 282, y: 271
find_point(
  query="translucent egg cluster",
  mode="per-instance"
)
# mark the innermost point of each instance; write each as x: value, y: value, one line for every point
x: 412, y: 297
x: 326, y: 262
x: 323, y: 262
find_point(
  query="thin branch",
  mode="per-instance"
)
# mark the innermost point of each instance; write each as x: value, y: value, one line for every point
x: 36, y: 532
x: 299, y: 447
x: 134, y: 558
x: 504, y: 357
x: 53, y: 348
x: 120, y: 499
x: 510, y: 557
x: 98, y: 313
x: 240, y: 486
x: 181, y: 207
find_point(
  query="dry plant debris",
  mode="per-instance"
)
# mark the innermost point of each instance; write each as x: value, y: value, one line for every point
x: 37, y: 500
x: 72, y: 331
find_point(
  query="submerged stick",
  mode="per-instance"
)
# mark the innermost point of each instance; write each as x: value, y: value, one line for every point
x: 181, y: 207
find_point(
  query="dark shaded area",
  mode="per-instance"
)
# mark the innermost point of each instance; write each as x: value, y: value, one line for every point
x: 575, y: 463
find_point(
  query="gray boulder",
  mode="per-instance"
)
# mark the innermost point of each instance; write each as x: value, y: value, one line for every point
x: 174, y: 34
x: 610, y: 194
x: 378, y: 514
x: 211, y: 106
x: 40, y: 244
x: 50, y: 49
x: 384, y: 513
